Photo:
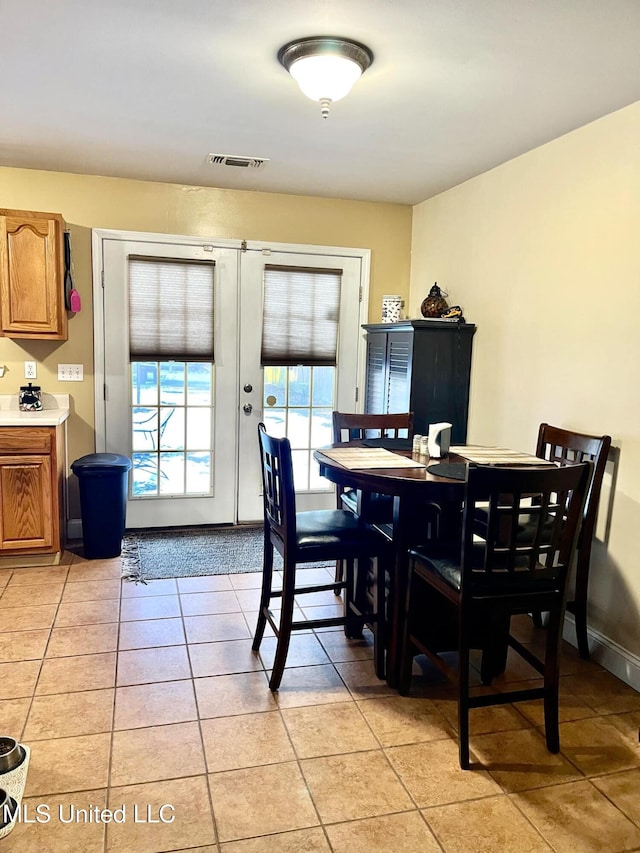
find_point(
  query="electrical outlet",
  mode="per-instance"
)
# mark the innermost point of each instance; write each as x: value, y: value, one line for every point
x: 29, y: 370
x: 70, y: 372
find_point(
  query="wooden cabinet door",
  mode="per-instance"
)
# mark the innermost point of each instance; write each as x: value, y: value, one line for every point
x: 26, y: 506
x: 31, y: 275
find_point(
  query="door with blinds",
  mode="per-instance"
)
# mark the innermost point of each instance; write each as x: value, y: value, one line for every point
x: 299, y: 344
x: 170, y: 367
x: 202, y: 342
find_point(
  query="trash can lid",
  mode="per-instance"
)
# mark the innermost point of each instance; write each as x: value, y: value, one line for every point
x: 101, y: 462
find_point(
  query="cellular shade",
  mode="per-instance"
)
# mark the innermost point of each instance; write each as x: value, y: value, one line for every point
x: 301, y: 312
x: 170, y: 309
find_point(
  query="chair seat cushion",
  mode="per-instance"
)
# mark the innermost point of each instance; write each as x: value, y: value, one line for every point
x: 445, y: 562
x: 441, y: 560
x: 527, y: 525
x: 334, y: 534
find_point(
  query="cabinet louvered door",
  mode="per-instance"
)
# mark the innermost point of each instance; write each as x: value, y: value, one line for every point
x: 399, y: 349
x: 375, y: 391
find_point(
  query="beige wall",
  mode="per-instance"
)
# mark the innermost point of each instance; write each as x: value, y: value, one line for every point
x: 89, y: 202
x: 544, y: 255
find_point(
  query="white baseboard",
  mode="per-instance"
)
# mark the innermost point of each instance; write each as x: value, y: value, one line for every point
x: 74, y: 528
x: 609, y: 654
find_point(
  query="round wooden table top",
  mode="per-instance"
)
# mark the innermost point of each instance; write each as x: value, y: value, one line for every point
x: 390, y: 481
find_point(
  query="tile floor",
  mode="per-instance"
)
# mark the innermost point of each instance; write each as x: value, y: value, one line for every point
x: 143, y: 696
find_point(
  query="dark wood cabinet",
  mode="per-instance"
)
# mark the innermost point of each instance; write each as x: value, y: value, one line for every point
x: 422, y: 366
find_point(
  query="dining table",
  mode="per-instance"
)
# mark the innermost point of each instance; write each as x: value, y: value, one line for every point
x: 414, y: 481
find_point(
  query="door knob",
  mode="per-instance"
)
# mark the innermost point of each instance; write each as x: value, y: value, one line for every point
x: 247, y: 408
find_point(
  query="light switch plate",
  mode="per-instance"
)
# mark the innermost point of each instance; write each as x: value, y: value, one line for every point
x: 70, y: 372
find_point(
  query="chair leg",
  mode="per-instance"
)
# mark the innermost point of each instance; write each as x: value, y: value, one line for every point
x: 552, y: 681
x: 353, y: 625
x: 494, y: 655
x: 338, y: 576
x: 487, y: 667
x: 380, y: 619
x: 463, y: 699
x: 536, y: 618
x: 579, y: 605
x: 265, y: 596
x: 286, y: 618
x: 580, y: 616
x: 406, y: 665
x: 407, y: 649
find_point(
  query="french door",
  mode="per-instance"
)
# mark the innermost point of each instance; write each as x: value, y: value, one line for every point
x: 172, y: 418
x: 297, y: 400
x: 191, y: 428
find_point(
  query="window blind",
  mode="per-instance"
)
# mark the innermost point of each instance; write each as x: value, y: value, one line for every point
x: 300, y: 316
x: 170, y: 309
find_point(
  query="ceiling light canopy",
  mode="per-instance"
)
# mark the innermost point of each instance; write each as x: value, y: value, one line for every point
x: 325, y: 67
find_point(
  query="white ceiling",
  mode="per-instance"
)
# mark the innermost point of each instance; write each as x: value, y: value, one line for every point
x: 147, y: 88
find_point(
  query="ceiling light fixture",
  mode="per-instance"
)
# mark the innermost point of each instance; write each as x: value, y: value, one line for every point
x: 325, y: 67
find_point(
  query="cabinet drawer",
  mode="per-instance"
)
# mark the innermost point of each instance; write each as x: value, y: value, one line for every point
x: 25, y: 439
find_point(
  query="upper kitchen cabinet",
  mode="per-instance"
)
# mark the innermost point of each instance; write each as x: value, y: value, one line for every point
x: 421, y: 366
x: 32, y: 275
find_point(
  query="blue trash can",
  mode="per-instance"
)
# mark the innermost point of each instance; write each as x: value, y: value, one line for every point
x: 103, y: 479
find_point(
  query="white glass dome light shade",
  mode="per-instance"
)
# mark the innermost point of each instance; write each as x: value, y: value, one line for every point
x: 325, y: 67
x: 325, y: 77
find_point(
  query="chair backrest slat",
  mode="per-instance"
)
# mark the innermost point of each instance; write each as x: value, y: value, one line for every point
x: 277, y: 486
x: 348, y: 426
x: 533, y: 515
x: 565, y: 446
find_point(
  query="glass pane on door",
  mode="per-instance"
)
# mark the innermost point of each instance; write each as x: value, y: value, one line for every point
x: 298, y: 402
x: 172, y: 429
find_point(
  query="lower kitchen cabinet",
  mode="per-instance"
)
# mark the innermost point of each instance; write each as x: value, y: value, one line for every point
x: 32, y: 462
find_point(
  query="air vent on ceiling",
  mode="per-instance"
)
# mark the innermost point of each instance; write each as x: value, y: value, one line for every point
x: 237, y: 160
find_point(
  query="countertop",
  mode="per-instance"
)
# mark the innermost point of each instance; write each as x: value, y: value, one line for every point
x: 55, y: 411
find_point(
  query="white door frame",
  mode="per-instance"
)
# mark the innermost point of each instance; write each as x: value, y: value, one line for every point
x: 100, y: 234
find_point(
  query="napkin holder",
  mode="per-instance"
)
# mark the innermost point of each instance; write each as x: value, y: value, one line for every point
x: 438, y: 440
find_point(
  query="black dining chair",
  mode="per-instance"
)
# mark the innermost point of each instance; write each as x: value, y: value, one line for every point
x: 565, y: 447
x: 374, y: 508
x: 463, y: 598
x: 304, y: 537
x: 352, y: 426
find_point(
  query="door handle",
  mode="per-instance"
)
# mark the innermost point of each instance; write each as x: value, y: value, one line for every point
x: 247, y: 408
